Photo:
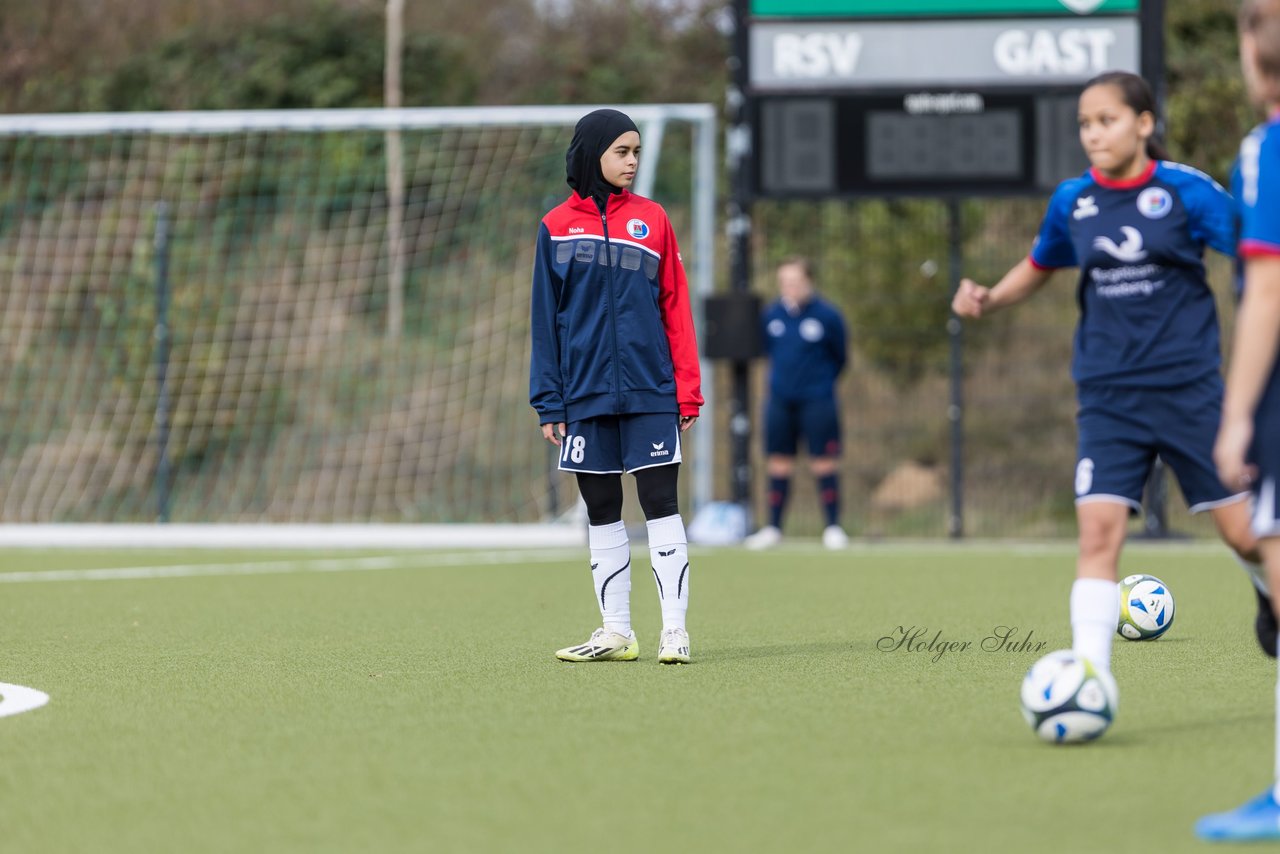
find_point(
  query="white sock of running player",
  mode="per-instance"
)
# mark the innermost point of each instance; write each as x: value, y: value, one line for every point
x: 611, y: 572
x: 1095, y: 610
x: 1257, y: 573
x: 669, y: 554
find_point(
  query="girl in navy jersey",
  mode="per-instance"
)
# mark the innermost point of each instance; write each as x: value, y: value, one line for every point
x: 614, y: 375
x: 1248, y: 447
x: 1146, y: 351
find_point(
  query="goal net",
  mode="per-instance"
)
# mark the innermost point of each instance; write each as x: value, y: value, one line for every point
x: 293, y: 317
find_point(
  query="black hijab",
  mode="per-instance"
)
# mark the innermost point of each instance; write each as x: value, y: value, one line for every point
x: 594, y: 133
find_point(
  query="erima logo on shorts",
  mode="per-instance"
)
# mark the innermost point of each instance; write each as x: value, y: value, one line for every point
x: 658, y: 450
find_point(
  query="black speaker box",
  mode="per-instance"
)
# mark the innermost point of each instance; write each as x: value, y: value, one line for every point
x: 732, y: 326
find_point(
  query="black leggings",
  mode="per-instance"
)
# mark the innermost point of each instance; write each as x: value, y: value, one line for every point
x: 656, y: 488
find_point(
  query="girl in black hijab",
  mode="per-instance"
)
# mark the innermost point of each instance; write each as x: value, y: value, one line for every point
x: 592, y: 137
x: 614, y: 375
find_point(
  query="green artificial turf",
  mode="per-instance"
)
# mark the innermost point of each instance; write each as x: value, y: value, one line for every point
x: 351, y: 703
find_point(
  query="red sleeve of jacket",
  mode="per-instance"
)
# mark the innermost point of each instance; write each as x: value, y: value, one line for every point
x: 677, y: 318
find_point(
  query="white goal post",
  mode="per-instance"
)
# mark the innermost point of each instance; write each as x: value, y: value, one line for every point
x: 297, y: 328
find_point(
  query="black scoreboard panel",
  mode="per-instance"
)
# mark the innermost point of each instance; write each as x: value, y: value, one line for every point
x: 916, y: 143
x: 984, y: 146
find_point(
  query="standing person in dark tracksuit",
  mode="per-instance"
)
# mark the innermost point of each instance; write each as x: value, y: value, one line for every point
x: 807, y: 345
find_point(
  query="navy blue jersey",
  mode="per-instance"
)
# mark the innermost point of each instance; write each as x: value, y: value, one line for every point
x: 806, y: 349
x: 1147, y: 315
x: 1256, y: 186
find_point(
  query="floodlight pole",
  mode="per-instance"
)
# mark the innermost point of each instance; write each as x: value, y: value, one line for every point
x: 162, y: 344
x: 392, y: 98
x: 1155, y: 506
x: 738, y: 231
x: 1151, y: 59
x: 955, y: 409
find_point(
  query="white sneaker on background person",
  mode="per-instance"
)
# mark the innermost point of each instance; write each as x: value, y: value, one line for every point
x: 835, y: 538
x: 765, y: 538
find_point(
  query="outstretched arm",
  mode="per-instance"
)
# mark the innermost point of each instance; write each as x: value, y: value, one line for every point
x: 974, y: 300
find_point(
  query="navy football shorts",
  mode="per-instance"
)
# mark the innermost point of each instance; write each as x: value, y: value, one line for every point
x: 1122, y: 430
x: 612, y: 444
x: 818, y: 420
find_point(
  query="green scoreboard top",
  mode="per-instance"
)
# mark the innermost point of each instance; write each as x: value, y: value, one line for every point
x: 886, y: 97
x: 934, y: 8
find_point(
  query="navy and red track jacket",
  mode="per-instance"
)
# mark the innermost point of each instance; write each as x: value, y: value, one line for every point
x: 611, y: 322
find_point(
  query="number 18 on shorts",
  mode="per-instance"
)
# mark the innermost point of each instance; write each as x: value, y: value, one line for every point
x: 613, y: 444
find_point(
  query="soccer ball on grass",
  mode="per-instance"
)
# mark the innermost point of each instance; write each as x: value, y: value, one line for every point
x: 1146, y: 607
x: 1066, y: 699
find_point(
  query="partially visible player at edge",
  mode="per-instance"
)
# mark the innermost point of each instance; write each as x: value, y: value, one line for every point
x: 1146, y: 358
x: 1248, y: 447
x: 614, y: 375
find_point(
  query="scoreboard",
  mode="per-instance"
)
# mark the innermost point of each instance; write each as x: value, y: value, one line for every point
x: 942, y: 98
x: 926, y: 97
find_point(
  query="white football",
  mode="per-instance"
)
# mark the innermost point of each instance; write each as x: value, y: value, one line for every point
x: 1146, y: 607
x: 1066, y: 699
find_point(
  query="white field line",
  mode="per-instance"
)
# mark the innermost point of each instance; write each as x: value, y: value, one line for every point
x: 1018, y: 548
x: 856, y: 550
x: 276, y: 567
x: 15, y: 699
x: 368, y: 538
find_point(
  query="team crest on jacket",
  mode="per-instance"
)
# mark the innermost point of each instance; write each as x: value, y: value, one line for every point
x: 638, y: 228
x: 1155, y: 202
x: 811, y: 329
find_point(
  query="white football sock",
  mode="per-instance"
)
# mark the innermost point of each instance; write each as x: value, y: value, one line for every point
x: 1095, y: 610
x: 1257, y: 573
x: 669, y: 554
x: 611, y: 572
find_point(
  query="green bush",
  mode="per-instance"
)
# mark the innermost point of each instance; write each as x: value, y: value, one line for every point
x: 330, y: 58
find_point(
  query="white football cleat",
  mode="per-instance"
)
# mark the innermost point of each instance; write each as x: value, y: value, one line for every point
x: 834, y: 537
x: 674, y: 647
x: 603, y: 645
x: 765, y: 538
